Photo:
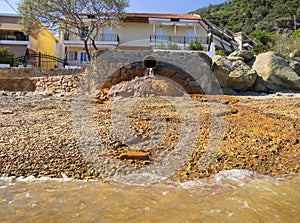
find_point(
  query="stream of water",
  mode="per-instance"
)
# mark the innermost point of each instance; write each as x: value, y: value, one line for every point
x: 230, y: 196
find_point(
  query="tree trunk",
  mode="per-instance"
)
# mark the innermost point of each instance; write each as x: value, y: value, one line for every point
x: 94, y: 44
x: 86, y: 47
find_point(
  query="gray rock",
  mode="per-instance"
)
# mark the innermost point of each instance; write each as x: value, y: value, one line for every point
x: 236, y: 74
x: 295, y: 64
x: 228, y: 91
x: 276, y: 72
x: 246, y: 55
x: 259, y: 86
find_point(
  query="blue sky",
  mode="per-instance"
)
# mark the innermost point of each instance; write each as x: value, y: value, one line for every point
x: 169, y: 6
x: 155, y: 6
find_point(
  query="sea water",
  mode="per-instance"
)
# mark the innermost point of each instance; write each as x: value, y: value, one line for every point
x: 230, y: 196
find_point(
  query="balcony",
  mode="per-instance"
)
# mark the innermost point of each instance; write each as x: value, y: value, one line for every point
x: 101, y: 39
x: 9, y: 36
x: 174, y: 42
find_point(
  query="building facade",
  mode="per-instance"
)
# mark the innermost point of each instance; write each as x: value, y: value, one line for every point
x: 140, y: 31
x: 41, y: 43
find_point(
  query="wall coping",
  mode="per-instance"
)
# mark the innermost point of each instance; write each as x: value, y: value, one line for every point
x: 14, y: 72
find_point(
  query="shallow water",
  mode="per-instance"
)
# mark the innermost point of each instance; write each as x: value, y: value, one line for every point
x: 230, y: 196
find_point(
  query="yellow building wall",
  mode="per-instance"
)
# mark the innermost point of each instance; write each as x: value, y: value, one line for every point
x: 44, y: 42
x: 137, y: 34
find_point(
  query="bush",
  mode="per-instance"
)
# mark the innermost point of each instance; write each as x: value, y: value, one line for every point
x: 296, y: 33
x: 196, y: 45
x: 221, y: 53
x: 260, y: 49
x: 284, y: 45
x: 263, y: 37
x: 162, y: 46
x: 6, y: 56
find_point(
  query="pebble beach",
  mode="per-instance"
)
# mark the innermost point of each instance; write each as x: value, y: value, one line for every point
x: 38, y: 138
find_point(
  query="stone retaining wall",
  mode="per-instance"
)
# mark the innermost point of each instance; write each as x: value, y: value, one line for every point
x: 66, y: 84
x: 58, y: 84
x: 62, y: 81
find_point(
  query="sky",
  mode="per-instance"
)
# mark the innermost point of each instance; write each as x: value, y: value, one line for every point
x: 154, y: 6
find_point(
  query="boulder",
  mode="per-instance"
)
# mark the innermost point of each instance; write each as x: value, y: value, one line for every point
x: 276, y: 72
x: 259, y: 86
x: 234, y: 74
x: 246, y: 55
x: 295, y: 64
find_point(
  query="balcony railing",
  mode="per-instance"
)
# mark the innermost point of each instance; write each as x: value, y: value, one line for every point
x: 103, y: 37
x: 75, y: 63
x: 174, y: 42
x: 8, y: 35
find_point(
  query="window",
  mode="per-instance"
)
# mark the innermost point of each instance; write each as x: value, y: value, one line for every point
x: 108, y: 34
x: 161, y: 34
x: 189, y: 35
x: 83, y: 57
x: 73, y: 55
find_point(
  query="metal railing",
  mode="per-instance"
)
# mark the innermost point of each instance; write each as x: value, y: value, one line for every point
x: 17, y: 36
x: 103, y: 37
x: 40, y: 60
x: 173, y: 42
x: 75, y: 63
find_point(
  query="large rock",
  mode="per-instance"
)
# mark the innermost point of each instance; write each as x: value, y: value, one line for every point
x: 276, y: 72
x: 246, y: 55
x: 259, y: 86
x: 234, y: 74
x: 295, y: 64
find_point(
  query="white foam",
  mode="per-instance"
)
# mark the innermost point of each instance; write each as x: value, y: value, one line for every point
x: 226, y: 178
x: 31, y: 178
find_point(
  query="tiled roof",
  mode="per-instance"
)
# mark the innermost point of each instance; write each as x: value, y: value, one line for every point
x: 163, y: 16
x: 146, y: 16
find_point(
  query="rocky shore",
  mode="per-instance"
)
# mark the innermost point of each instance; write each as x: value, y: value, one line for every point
x: 38, y: 137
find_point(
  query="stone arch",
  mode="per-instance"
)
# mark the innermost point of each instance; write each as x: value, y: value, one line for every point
x: 192, y: 70
x: 137, y: 69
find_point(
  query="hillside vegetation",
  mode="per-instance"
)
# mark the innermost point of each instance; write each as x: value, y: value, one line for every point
x: 249, y: 15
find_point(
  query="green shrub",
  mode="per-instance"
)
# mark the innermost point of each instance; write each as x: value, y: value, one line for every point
x: 162, y: 46
x: 221, y: 53
x: 263, y: 37
x: 6, y: 55
x: 260, y: 49
x: 296, y: 33
x: 196, y: 45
